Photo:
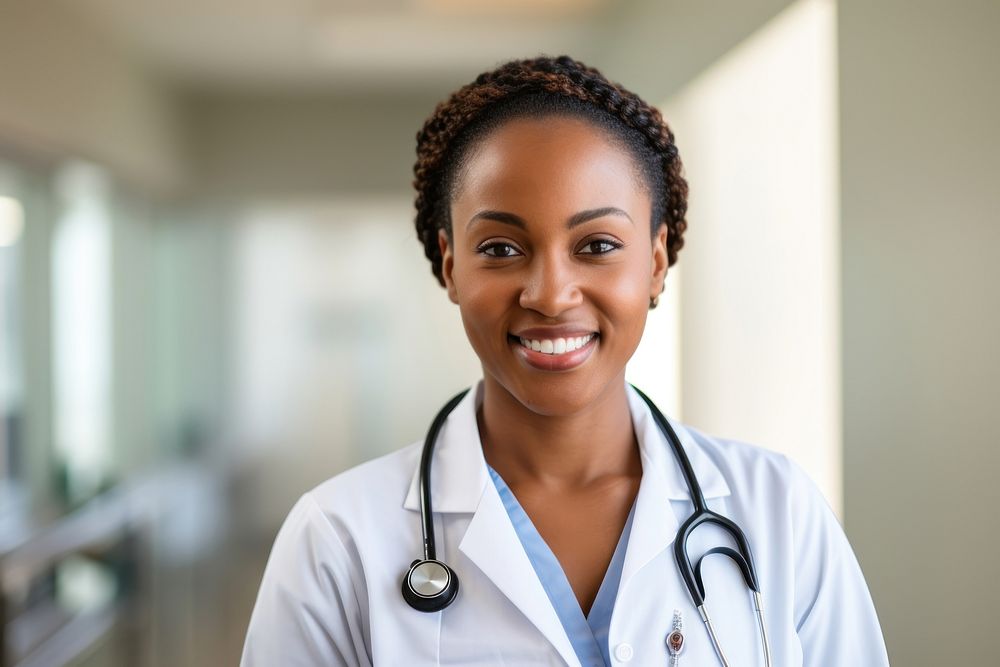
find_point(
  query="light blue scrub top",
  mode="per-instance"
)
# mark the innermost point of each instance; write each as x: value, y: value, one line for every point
x: 588, y: 635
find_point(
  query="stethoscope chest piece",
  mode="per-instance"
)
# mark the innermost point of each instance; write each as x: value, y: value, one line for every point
x: 429, y: 585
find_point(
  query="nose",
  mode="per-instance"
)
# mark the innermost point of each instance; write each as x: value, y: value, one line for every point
x: 551, y: 286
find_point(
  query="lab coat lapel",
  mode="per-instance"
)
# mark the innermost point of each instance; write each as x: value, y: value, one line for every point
x: 493, y: 545
x: 655, y: 523
x: 460, y: 483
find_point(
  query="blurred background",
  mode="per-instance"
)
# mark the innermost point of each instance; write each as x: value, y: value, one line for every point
x: 212, y: 297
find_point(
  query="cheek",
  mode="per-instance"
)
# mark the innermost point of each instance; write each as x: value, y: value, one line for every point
x: 626, y: 288
x: 625, y: 297
x: 483, y: 305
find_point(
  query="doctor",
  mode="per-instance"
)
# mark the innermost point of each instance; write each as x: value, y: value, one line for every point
x: 551, y: 202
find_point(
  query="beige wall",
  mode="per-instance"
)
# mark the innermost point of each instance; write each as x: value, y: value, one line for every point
x: 268, y: 147
x: 66, y: 90
x: 656, y: 47
x: 920, y: 146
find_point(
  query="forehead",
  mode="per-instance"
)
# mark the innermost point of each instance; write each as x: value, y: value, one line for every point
x: 530, y: 161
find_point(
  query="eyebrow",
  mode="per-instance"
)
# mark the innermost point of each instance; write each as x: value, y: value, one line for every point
x: 574, y: 220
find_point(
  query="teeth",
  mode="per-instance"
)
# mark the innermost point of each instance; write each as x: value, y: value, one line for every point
x: 556, y: 345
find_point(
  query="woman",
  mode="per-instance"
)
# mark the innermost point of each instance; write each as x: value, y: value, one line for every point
x: 550, y: 203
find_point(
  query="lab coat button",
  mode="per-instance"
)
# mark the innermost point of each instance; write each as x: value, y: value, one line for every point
x: 623, y: 652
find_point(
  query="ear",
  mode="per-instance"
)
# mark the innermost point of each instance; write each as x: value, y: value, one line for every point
x: 447, y: 265
x: 659, y: 264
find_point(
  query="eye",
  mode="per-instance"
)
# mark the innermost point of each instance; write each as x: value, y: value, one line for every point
x: 599, y: 247
x: 498, y: 249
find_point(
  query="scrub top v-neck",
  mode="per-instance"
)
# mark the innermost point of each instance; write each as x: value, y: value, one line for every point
x: 588, y: 634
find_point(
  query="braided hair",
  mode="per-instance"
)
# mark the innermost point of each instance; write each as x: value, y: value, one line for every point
x: 534, y: 88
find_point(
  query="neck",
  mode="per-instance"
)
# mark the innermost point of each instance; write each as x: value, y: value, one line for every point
x: 566, y: 451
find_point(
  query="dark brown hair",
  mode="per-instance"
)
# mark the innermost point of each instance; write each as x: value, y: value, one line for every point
x: 539, y: 87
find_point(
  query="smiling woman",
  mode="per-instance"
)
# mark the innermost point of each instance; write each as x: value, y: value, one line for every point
x: 551, y: 204
x: 569, y: 255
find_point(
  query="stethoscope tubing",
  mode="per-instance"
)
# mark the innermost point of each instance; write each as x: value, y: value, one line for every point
x: 690, y: 573
x: 426, y: 515
x: 702, y: 515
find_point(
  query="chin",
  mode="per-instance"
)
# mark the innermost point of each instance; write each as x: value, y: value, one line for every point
x: 555, y: 394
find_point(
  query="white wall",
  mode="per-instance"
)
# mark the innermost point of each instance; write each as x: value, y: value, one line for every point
x: 655, y: 368
x: 344, y: 344
x: 920, y: 174
x: 760, y: 302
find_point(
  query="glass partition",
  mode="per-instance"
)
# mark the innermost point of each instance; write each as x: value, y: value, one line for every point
x: 11, y: 371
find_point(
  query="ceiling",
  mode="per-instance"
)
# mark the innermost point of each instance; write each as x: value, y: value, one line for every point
x: 319, y: 44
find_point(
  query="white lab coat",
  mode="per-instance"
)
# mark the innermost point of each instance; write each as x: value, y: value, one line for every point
x: 330, y: 594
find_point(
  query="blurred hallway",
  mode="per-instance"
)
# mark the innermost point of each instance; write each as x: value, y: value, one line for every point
x: 212, y: 298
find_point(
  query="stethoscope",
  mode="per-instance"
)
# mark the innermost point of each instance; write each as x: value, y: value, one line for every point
x: 430, y: 585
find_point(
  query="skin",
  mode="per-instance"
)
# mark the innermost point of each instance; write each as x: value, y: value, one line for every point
x: 562, y: 440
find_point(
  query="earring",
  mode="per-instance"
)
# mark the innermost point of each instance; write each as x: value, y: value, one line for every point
x: 654, y: 301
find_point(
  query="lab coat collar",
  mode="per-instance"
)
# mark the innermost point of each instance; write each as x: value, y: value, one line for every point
x: 655, y: 449
x: 662, y: 479
x: 458, y: 470
x: 459, y: 473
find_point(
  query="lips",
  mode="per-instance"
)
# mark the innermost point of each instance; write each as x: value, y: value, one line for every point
x: 543, y: 350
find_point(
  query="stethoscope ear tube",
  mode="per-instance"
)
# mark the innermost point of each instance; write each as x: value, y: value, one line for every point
x: 732, y: 553
x: 691, y: 573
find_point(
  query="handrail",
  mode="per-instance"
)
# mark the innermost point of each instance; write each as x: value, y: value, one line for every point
x: 111, y: 523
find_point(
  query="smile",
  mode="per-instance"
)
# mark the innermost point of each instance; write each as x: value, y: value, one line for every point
x: 556, y: 345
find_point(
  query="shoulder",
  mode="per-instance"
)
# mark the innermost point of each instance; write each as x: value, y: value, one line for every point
x: 815, y: 581
x: 336, y: 526
x: 313, y: 604
x: 382, y: 472
x: 750, y: 468
x: 765, y: 483
x: 371, y: 490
